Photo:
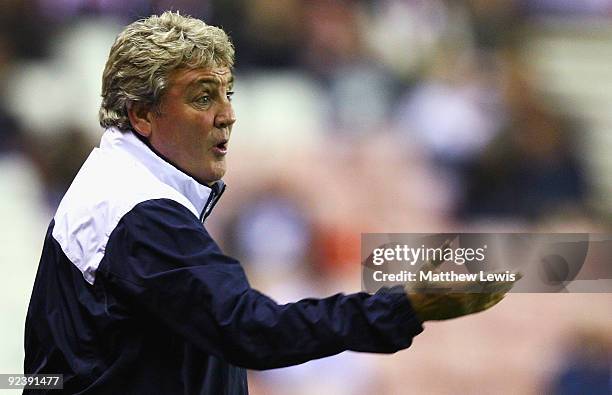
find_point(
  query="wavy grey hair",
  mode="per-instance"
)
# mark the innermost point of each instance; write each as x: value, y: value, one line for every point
x: 145, y: 54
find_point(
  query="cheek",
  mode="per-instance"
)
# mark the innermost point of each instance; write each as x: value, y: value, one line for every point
x: 188, y: 130
x: 197, y: 121
x: 167, y: 124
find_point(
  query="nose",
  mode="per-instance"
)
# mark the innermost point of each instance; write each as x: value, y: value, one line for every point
x: 226, y: 116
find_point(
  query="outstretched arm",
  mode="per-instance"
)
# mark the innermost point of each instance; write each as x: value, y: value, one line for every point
x: 161, y: 260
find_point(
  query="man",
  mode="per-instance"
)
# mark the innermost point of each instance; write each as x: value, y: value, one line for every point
x: 132, y: 294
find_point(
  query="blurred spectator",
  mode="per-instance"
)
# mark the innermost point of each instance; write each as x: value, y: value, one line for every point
x: 452, y: 115
x: 587, y: 366
x: 266, y: 33
x: 532, y: 169
x: 494, y: 22
x: 24, y: 29
x: 361, y: 97
x: 269, y: 231
x: 10, y: 133
x: 401, y: 35
x: 58, y: 158
x: 324, y: 19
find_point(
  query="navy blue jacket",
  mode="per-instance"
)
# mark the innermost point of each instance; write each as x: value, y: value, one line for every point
x: 133, y: 296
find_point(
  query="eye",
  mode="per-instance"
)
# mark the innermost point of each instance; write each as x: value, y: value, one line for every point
x: 203, y: 99
x: 229, y: 95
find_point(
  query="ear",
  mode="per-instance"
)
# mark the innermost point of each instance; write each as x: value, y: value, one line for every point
x: 140, y: 118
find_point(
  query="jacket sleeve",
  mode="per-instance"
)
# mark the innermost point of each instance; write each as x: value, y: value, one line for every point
x: 161, y: 260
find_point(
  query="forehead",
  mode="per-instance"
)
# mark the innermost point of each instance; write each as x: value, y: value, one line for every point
x: 182, y: 79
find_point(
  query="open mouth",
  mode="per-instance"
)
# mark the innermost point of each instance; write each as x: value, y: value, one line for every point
x: 222, y: 146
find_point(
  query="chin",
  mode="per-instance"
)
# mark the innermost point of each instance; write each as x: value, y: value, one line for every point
x: 215, y: 173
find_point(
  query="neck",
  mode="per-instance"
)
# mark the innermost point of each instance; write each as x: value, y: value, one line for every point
x: 156, y: 152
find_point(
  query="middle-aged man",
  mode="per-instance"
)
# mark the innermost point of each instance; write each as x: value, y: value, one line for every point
x: 132, y: 294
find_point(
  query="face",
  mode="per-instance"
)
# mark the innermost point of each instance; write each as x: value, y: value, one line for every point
x: 194, y: 122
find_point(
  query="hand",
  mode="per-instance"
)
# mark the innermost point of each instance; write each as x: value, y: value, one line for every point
x: 446, y: 300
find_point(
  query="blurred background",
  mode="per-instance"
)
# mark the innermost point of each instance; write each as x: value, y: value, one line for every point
x: 354, y: 116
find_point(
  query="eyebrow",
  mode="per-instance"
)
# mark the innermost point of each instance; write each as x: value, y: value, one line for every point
x: 210, y: 81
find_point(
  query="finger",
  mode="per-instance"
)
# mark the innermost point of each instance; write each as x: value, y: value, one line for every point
x: 433, y: 264
x: 500, y: 286
x: 455, y: 287
x: 467, y: 287
x: 496, y: 287
x: 483, y: 302
x: 495, y: 299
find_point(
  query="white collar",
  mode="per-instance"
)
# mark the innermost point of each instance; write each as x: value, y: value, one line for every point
x: 198, y: 194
